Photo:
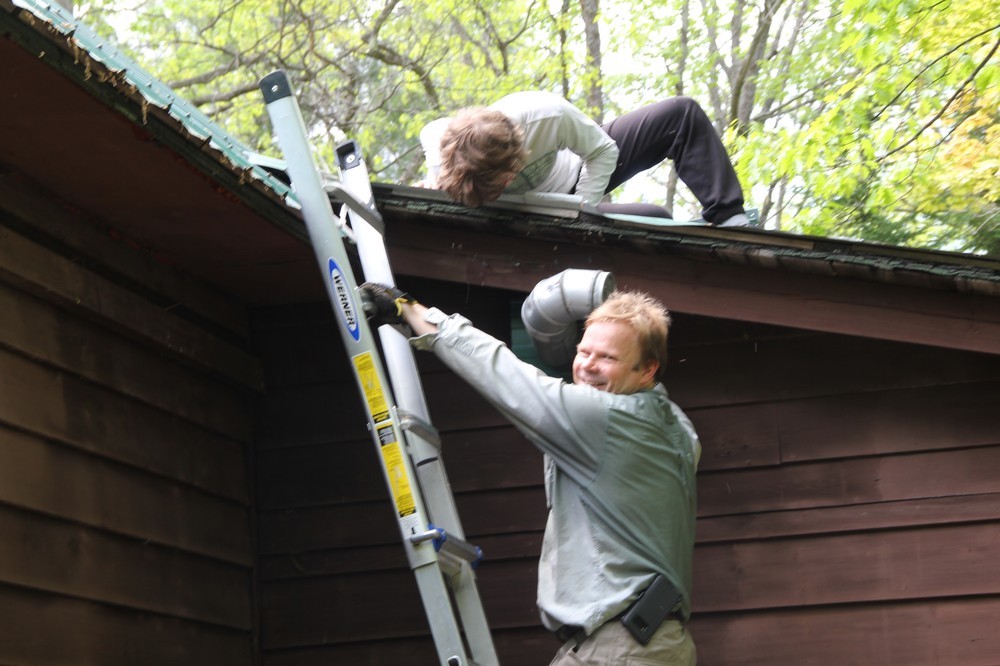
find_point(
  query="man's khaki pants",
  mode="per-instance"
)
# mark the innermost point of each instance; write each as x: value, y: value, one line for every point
x: 613, y: 645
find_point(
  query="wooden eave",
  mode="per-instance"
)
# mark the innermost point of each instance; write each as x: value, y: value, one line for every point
x: 925, y: 297
x: 83, y: 134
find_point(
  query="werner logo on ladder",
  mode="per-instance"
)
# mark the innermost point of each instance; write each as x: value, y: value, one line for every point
x: 429, y: 525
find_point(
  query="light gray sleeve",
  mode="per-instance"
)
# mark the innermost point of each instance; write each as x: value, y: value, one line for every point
x: 598, y: 151
x: 569, y: 422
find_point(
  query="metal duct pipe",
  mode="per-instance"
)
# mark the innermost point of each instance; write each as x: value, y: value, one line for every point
x: 554, y: 308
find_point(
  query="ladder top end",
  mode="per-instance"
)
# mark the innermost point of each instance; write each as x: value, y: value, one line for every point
x: 275, y: 86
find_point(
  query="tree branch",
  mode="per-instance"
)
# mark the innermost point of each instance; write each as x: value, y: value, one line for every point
x: 958, y: 92
x: 934, y: 62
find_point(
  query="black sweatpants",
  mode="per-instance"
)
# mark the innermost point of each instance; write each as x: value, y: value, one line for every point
x: 676, y: 129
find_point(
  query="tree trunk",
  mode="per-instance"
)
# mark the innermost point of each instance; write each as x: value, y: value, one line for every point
x: 564, y: 47
x: 589, y: 10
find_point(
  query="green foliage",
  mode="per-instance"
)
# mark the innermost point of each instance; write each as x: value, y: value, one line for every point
x: 897, y: 146
x: 874, y: 119
x: 371, y: 71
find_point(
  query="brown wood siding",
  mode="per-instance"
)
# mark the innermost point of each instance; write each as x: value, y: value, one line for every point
x: 848, y: 500
x: 124, y: 432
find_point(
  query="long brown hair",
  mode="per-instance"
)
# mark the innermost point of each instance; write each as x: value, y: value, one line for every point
x: 481, y: 151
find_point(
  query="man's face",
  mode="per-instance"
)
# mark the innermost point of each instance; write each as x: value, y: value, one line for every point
x: 607, y: 358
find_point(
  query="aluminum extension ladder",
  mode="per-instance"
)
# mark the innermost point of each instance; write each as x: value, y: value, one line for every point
x: 442, y: 561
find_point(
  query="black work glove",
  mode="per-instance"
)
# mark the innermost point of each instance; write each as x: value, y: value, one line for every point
x: 383, y: 304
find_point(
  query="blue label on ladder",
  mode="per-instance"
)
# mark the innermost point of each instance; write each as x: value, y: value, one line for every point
x: 342, y: 296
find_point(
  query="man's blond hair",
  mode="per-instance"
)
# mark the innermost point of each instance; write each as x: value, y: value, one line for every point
x: 647, y: 317
x: 481, y: 152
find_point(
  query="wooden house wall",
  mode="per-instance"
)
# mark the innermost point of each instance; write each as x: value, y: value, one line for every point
x: 848, y: 498
x: 125, y: 516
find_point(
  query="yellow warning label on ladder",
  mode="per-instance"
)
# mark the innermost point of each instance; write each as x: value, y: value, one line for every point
x: 374, y: 394
x: 395, y: 469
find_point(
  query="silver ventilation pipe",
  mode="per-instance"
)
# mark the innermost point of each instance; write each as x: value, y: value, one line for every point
x: 554, y: 308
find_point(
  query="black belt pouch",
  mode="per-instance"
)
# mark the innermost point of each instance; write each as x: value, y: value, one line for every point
x: 654, y: 605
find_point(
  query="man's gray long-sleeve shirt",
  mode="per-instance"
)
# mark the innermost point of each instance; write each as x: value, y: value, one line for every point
x: 620, y: 477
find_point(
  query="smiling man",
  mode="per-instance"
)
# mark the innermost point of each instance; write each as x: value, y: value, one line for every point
x: 614, y: 577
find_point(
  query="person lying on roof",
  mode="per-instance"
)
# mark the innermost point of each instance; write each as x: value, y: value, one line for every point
x: 539, y: 142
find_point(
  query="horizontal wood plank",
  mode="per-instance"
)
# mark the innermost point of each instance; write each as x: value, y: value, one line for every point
x: 332, y: 412
x: 495, y: 548
x: 831, y: 304
x: 839, y: 426
x: 72, y: 560
x: 314, y: 475
x: 852, y: 518
x: 45, y: 630
x: 305, y: 612
x: 694, y: 331
x: 419, y: 651
x: 38, y: 330
x: 331, y: 562
x: 328, y: 527
x: 522, y: 647
x: 735, y: 436
x: 90, y: 242
x: 850, y: 481
x: 956, y: 632
x: 299, y: 345
x: 454, y: 405
x: 494, y: 458
x: 309, y: 415
x: 789, y: 369
x: 376, y: 605
x: 920, y: 419
x: 512, y: 511
x: 60, y: 481
x: 36, y: 269
x: 58, y: 406
x: 373, y: 524
x: 891, y: 565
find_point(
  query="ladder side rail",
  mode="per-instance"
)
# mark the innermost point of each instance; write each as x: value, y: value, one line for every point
x: 375, y: 263
x: 402, y: 367
x: 383, y: 421
x: 400, y: 359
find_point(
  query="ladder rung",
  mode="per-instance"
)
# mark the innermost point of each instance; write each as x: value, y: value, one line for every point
x: 421, y: 428
x: 451, y: 550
